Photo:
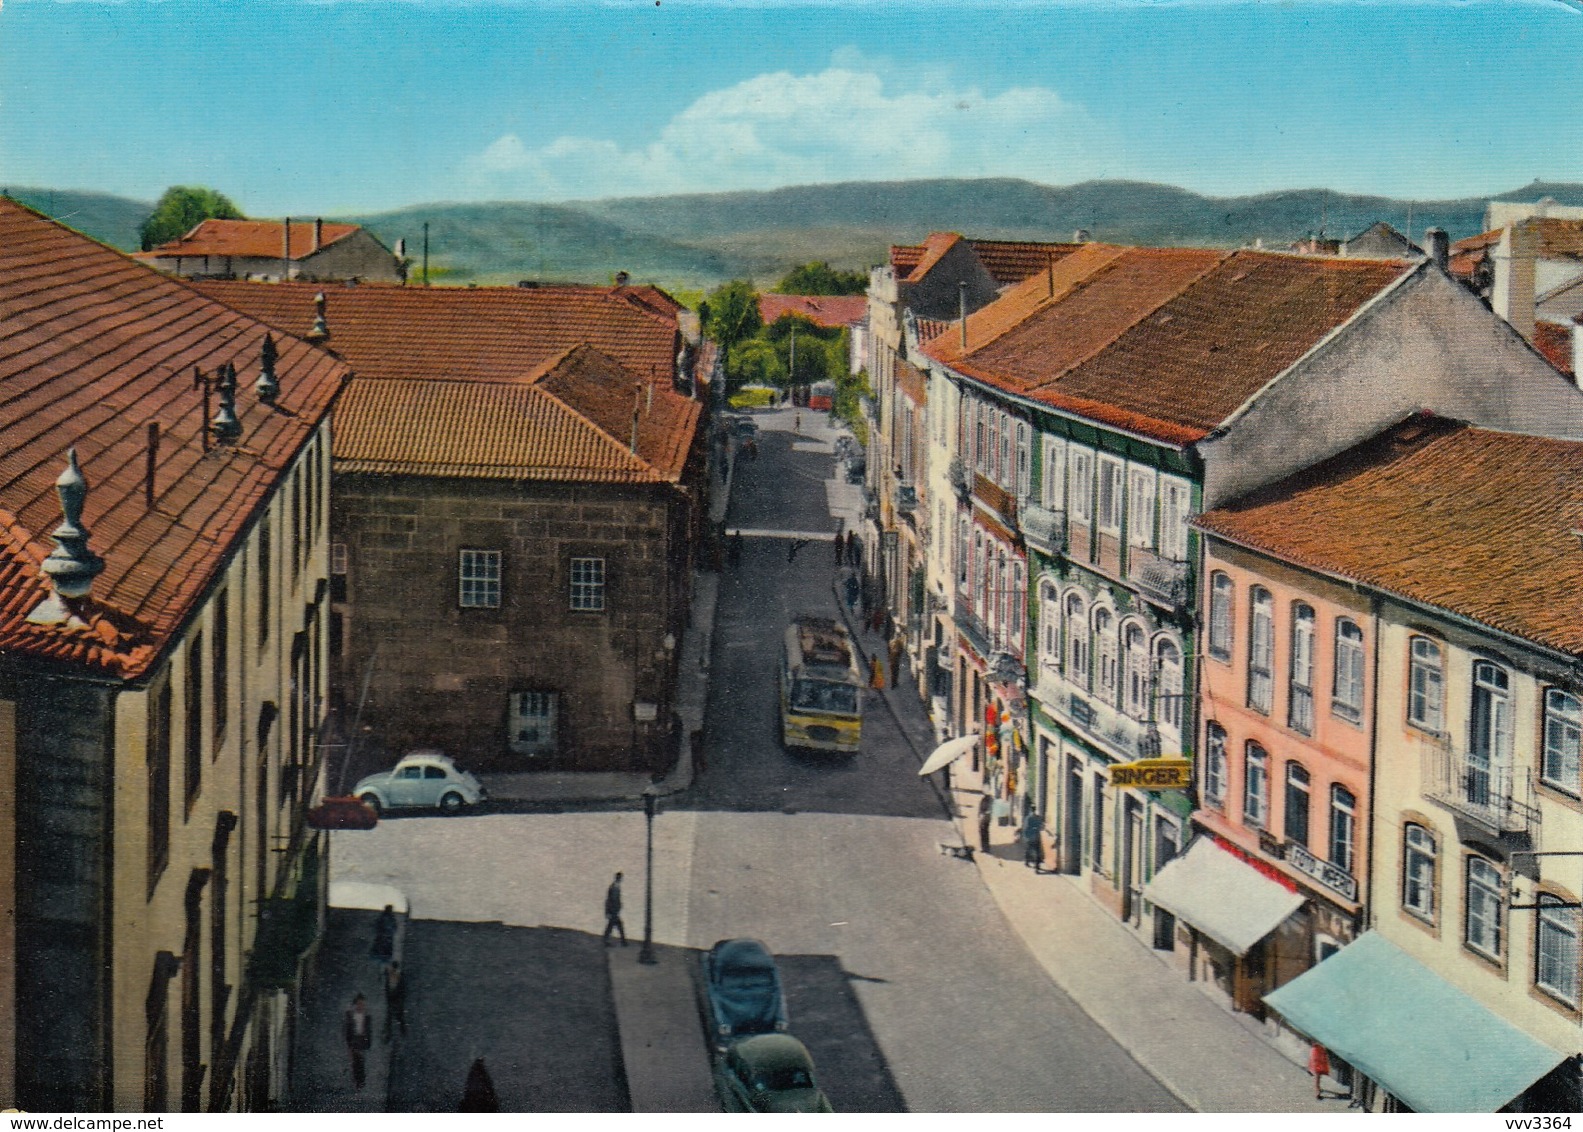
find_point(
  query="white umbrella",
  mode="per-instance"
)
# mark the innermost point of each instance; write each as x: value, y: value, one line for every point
x: 947, y: 753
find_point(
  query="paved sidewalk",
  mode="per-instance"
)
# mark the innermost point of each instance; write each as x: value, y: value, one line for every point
x: 1211, y: 1059
x: 662, y: 1038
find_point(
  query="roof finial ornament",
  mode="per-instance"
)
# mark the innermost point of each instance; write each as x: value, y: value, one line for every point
x: 321, y: 328
x: 71, y: 567
x: 226, y: 425
x: 267, y: 387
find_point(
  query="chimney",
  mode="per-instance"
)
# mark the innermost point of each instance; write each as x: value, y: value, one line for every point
x: 226, y: 424
x: 318, y: 232
x: 961, y: 309
x: 1438, y: 245
x: 71, y: 567
x: 267, y: 387
x: 321, y: 328
x: 621, y: 278
x: 285, y: 250
x: 1512, y: 292
x: 1081, y: 236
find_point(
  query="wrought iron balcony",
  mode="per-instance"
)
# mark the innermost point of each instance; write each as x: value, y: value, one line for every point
x: 1123, y: 736
x: 1158, y: 578
x: 906, y: 499
x: 1499, y: 798
x: 1042, y: 529
x: 972, y: 627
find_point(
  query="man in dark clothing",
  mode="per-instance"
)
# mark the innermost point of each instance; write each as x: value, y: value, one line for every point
x: 395, y: 999
x: 1032, y: 842
x: 358, y: 1030
x: 384, y: 948
x: 984, y: 807
x: 613, y: 912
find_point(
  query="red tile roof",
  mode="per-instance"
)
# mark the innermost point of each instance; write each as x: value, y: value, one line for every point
x: 259, y: 239
x: 93, y: 348
x: 1555, y: 343
x: 1167, y: 342
x: 1558, y: 239
x: 1470, y: 520
x: 1007, y: 261
x: 466, y: 333
x: 572, y: 421
x: 933, y: 251
x: 821, y: 310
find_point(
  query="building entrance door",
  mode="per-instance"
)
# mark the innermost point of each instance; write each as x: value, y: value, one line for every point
x: 1072, y: 826
x: 1132, y: 862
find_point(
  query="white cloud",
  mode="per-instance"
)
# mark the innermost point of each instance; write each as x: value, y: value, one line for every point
x: 856, y: 120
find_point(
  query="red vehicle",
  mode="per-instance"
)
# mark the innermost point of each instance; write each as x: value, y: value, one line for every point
x: 822, y: 395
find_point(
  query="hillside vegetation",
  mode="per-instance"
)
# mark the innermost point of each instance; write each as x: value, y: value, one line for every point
x: 696, y: 241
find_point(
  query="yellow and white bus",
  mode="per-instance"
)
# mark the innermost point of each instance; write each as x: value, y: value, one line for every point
x: 821, y: 687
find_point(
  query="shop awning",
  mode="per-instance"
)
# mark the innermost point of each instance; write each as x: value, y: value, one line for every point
x: 1227, y: 899
x: 1408, y: 1029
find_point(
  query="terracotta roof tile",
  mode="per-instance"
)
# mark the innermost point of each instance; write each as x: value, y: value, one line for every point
x: 93, y: 348
x: 821, y: 310
x: 1007, y: 261
x: 1555, y: 343
x: 1168, y: 342
x: 261, y: 239
x: 1470, y: 520
x: 466, y: 333
x: 934, y: 249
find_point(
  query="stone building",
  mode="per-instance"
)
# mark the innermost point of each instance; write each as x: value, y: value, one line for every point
x: 312, y: 251
x: 517, y: 493
x: 164, y: 559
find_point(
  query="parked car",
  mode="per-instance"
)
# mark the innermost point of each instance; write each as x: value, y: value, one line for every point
x: 856, y: 469
x: 742, y: 987
x: 768, y: 1073
x: 421, y: 778
x: 745, y: 427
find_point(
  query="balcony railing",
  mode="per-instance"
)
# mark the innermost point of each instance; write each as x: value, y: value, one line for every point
x: 1114, y: 731
x: 1499, y: 798
x: 1158, y: 578
x: 972, y: 626
x: 1042, y: 529
x: 906, y: 499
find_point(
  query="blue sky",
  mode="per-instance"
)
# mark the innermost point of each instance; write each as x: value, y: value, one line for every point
x: 335, y: 106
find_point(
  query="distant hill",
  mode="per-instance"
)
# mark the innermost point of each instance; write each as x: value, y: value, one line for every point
x: 109, y: 219
x: 695, y: 241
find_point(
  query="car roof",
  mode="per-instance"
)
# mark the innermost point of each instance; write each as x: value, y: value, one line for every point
x: 774, y: 1051
x: 426, y: 756
x: 743, y: 953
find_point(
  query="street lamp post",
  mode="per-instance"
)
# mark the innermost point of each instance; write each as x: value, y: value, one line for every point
x: 651, y: 799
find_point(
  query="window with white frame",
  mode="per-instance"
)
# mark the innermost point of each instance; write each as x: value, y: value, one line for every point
x: 588, y: 584
x: 1024, y: 461
x: 1563, y: 731
x: 980, y: 448
x: 1168, y: 684
x: 1556, y: 949
x: 1343, y: 827
x: 1295, y: 819
x: 1052, y: 476
x: 992, y: 447
x: 479, y: 579
x: 1049, y: 626
x: 1346, y: 699
x: 1140, y: 506
x: 1426, y: 680
x: 1418, y: 871
x: 1261, y: 649
x: 1176, y: 505
x: 1489, y: 732
x: 1076, y: 627
x: 963, y: 559
x: 531, y: 720
x: 1015, y: 603
x: 1003, y: 470
x: 1080, y: 485
x: 1135, y: 650
x: 1108, y: 518
x: 1214, y: 766
x: 1484, y: 922
x: 1221, y: 593
x: 1105, y: 648
x: 1301, y: 700
x: 997, y: 599
x: 1256, y: 786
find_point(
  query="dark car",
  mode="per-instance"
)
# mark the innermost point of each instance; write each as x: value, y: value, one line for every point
x: 742, y: 986
x: 768, y: 1073
x: 745, y: 427
x: 856, y: 469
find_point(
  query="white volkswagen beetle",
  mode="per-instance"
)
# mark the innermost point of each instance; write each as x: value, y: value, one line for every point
x: 421, y: 778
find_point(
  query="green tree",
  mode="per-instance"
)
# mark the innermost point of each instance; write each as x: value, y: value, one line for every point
x: 755, y: 362
x: 819, y: 278
x: 180, y: 209
x: 731, y: 314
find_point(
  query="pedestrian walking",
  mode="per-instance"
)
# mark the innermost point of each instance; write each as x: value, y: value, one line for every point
x: 1319, y: 1066
x: 358, y: 1030
x: 1033, y: 842
x: 876, y: 619
x: 753, y: 448
x: 897, y: 648
x: 840, y: 550
x: 876, y: 673
x: 384, y: 946
x: 854, y: 550
x: 613, y: 912
x: 734, y: 552
x: 852, y: 590
x: 984, y: 817
x: 797, y: 422
x: 395, y: 999
x: 700, y: 760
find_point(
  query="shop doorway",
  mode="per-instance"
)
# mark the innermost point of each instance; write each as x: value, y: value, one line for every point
x: 1132, y: 862
x: 1072, y: 826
